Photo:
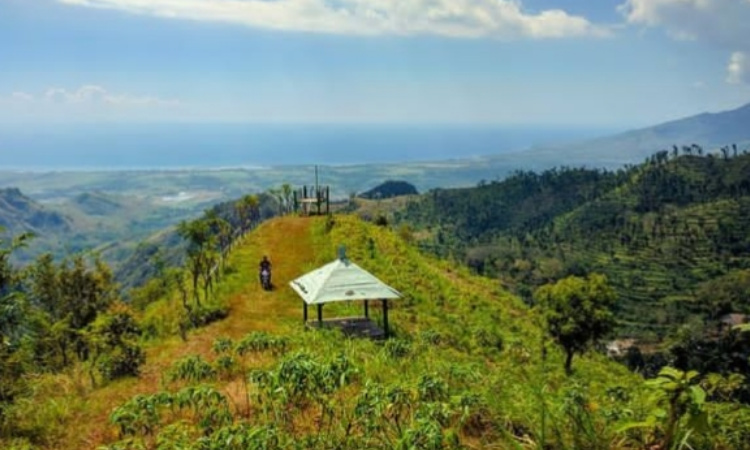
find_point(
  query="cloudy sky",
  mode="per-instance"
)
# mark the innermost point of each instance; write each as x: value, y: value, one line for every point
x: 615, y: 63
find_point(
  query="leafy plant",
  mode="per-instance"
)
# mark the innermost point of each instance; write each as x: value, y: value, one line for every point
x: 192, y: 368
x: 680, y: 408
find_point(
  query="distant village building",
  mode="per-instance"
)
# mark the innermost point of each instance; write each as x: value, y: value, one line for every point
x: 732, y: 320
x: 618, y: 347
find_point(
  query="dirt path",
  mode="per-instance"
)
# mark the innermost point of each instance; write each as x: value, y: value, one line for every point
x: 287, y: 242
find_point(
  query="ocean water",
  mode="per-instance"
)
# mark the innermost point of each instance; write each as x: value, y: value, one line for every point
x: 165, y: 146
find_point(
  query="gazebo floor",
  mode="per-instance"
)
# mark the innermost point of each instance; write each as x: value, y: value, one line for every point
x: 351, y: 326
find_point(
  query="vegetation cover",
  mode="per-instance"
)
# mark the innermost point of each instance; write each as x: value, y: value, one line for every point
x: 471, y: 366
x: 670, y: 234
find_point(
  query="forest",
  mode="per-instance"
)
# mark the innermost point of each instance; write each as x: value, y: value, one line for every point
x: 670, y: 234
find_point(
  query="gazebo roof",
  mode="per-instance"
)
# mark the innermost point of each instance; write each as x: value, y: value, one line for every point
x: 341, y: 280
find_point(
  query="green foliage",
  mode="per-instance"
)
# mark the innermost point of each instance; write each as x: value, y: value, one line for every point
x: 192, y: 368
x: 222, y: 345
x: 390, y: 189
x: 299, y: 378
x: 260, y: 341
x: 113, y: 336
x: 469, y: 369
x: 144, y: 414
x: 13, y: 309
x: 397, y: 348
x: 577, y: 312
x: 669, y: 234
x: 680, y: 408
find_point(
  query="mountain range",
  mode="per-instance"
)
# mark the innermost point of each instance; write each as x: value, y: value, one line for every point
x: 708, y: 130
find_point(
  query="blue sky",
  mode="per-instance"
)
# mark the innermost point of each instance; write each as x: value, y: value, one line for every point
x: 614, y: 63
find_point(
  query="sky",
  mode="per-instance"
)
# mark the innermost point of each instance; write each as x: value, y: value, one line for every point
x: 613, y: 63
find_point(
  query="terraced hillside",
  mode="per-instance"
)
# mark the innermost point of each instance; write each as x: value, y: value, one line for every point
x: 660, y: 231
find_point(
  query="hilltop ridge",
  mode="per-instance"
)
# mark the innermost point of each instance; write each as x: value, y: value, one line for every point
x: 19, y: 213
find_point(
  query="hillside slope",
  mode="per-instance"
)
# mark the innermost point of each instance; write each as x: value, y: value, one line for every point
x: 465, y: 369
x: 19, y: 213
x: 662, y: 232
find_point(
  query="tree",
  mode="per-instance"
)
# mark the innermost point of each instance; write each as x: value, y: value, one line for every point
x: 114, y: 339
x: 200, y: 245
x: 577, y: 311
x: 247, y: 209
x: 287, y: 195
x: 13, y: 308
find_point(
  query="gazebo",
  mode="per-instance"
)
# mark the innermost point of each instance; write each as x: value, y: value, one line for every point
x: 342, y: 280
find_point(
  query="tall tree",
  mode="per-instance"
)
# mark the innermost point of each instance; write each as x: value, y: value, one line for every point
x: 577, y: 311
x: 247, y: 209
x: 12, y: 314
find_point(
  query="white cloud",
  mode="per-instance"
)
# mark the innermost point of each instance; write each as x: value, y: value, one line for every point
x: 97, y: 95
x: 86, y: 103
x: 503, y: 19
x: 723, y: 23
x: 21, y: 97
x: 738, y: 69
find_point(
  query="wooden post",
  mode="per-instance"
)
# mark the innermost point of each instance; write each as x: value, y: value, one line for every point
x: 367, y: 310
x: 317, y: 191
x: 304, y: 304
x: 385, y: 318
x: 320, y: 314
x: 328, y: 200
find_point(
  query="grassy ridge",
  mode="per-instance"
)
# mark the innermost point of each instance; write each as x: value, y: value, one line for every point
x: 465, y: 370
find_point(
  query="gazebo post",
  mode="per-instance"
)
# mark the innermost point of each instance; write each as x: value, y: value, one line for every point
x: 304, y: 304
x: 320, y: 314
x: 367, y: 310
x: 385, y: 317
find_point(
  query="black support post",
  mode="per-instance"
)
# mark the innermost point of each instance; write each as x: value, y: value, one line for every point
x: 367, y: 310
x: 385, y: 318
x: 320, y: 314
x: 304, y: 304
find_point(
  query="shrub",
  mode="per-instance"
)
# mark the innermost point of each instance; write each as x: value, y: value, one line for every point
x: 192, y: 368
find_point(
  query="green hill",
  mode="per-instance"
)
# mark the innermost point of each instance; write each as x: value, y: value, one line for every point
x: 468, y: 368
x: 389, y: 189
x: 660, y: 231
x: 19, y: 214
x: 96, y: 203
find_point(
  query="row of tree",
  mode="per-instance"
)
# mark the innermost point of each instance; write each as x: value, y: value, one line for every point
x: 55, y: 315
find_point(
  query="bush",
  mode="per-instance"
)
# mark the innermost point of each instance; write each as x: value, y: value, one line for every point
x: 113, y: 337
x: 123, y: 361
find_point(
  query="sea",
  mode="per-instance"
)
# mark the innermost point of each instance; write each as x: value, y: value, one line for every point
x: 215, y: 146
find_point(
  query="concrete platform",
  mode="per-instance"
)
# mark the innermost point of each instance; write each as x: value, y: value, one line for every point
x: 351, y: 326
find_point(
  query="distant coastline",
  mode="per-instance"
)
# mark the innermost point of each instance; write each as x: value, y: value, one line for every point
x: 155, y: 147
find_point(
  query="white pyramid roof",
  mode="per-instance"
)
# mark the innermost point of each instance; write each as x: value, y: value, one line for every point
x: 341, y: 280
